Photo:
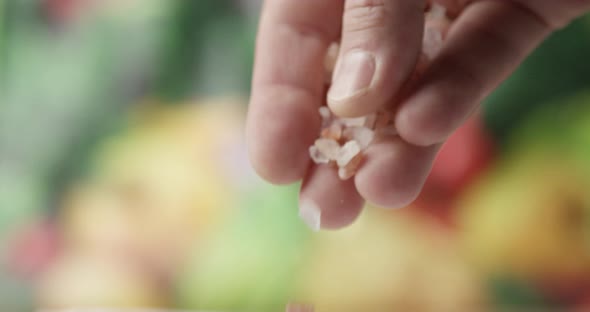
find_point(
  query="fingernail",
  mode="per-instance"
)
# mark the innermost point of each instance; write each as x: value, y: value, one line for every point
x: 311, y: 214
x: 353, y: 75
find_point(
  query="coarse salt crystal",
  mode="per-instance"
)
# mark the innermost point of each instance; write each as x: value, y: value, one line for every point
x: 353, y: 122
x: 362, y: 135
x: 334, y: 132
x: 432, y: 43
x: 317, y: 156
x: 346, y: 172
x: 328, y: 147
x: 343, y: 141
x: 325, y: 112
x: 347, y: 152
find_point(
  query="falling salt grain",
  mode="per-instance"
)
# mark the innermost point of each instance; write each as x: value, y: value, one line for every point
x: 435, y: 27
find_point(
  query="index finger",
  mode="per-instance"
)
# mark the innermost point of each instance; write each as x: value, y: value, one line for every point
x: 288, y: 84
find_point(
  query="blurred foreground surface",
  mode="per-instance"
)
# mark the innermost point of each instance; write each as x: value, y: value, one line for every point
x: 124, y: 180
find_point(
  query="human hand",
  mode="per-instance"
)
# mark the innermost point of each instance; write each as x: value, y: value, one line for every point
x: 380, y: 46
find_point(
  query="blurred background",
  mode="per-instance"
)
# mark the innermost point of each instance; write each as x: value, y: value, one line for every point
x: 124, y: 180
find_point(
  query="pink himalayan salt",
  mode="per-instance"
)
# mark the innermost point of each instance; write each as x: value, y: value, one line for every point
x: 432, y: 43
x: 353, y: 122
x: 356, y: 134
x: 348, y: 151
x: 362, y: 135
x: 349, y: 160
x: 349, y: 170
x: 326, y: 116
x: 435, y: 28
x: 328, y: 147
x: 317, y: 156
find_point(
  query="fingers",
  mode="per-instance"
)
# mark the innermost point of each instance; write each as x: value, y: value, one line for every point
x: 484, y: 45
x: 394, y: 172
x: 557, y: 14
x: 453, y: 7
x: 288, y: 84
x: 327, y: 202
x: 380, y: 46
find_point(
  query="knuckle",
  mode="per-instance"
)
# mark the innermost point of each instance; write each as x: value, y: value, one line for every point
x: 363, y: 15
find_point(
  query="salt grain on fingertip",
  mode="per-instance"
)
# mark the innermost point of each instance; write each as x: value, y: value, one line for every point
x: 347, y: 152
x: 334, y: 132
x: 328, y: 147
x: 325, y: 112
x: 326, y: 116
x: 362, y: 135
x: 344, y: 174
x: 348, y: 171
x: 353, y: 122
x: 317, y: 156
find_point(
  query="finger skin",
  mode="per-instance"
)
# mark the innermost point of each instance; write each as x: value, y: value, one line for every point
x: 380, y: 46
x: 479, y: 53
x: 394, y: 172
x: 288, y: 85
x: 337, y: 201
x: 556, y: 14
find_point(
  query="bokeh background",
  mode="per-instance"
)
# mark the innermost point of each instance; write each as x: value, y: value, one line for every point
x: 124, y: 180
